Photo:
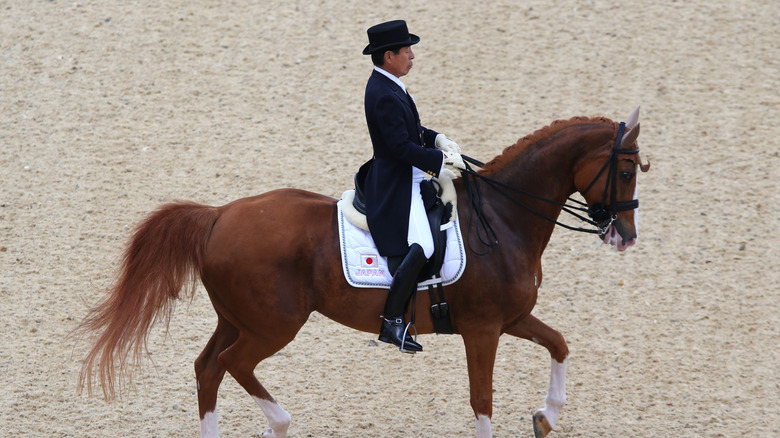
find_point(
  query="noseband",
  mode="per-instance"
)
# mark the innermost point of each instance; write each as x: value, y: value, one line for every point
x: 603, y: 213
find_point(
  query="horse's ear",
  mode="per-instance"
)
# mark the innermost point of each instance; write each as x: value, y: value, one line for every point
x: 630, y: 137
x: 633, y: 119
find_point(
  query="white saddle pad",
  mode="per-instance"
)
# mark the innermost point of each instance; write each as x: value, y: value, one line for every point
x: 363, y: 267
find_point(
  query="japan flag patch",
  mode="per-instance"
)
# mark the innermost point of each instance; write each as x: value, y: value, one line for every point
x: 369, y: 261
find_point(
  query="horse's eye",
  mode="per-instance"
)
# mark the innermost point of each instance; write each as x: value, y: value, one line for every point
x: 628, y: 176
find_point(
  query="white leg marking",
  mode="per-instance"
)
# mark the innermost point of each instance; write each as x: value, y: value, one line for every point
x: 556, y: 394
x: 208, y: 425
x: 278, y: 418
x: 484, y: 428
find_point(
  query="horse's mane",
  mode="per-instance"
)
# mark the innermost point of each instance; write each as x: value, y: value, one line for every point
x: 511, y: 152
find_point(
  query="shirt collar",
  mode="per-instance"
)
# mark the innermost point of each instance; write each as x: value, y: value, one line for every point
x: 392, y: 78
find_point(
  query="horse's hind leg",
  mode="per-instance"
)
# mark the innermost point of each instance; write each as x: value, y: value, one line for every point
x: 209, y: 374
x: 534, y: 330
x: 240, y: 361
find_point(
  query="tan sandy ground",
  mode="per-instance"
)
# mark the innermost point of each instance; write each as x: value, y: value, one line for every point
x: 108, y: 109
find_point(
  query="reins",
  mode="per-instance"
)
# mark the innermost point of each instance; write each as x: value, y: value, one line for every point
x: 600, y: 215
x: 472, y: 188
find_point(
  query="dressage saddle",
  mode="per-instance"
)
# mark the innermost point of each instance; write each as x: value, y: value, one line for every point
x: 438, y: 214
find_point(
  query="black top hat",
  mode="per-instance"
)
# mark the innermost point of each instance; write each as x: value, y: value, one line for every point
x: 389, y: 35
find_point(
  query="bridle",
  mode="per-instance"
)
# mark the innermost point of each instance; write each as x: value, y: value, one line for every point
x: 603, y: 214
x: 600, y: 215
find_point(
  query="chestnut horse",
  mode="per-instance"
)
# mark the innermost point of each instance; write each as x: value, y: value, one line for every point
x: 269, y: 261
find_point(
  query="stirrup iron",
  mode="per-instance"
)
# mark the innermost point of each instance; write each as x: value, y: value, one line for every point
x: 403, y: 338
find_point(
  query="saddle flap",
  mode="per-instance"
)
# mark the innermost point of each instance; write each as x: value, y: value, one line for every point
x: 435, y: 210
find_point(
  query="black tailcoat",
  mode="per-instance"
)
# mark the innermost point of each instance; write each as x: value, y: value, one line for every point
x: 400, y: 142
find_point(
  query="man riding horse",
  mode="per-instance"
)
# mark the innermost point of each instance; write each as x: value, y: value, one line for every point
x: 404, y: 151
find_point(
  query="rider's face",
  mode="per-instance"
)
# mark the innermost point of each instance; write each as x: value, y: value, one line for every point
x: 400, y: 64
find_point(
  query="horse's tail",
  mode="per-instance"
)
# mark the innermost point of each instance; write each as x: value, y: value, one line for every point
x: 163, y: 256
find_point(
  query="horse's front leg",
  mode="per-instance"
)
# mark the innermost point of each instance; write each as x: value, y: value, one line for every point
x: 534, y: 330
x: 481, y: 356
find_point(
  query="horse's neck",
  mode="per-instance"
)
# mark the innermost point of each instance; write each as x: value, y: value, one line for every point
x: 546, y: 169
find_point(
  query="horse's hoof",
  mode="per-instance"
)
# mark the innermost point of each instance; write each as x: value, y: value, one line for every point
x: 270, y: 433
x: 541, y: 425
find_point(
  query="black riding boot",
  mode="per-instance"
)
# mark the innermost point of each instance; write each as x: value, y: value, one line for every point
x: 404, y: 284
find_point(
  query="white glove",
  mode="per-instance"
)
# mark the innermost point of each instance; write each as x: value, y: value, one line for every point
x: 453, y: 159
x: 446, y: 145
